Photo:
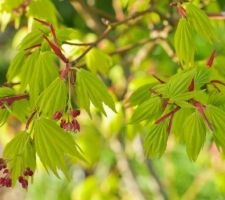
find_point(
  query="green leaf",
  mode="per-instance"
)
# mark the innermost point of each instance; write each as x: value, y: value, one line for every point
x: 43, y: 9
x: 217, y: 117
x: 200, y: 21
x: 194, y: 134
x: 202, y: 76
x: 28, y: 69
x: 4, y: 114
x: 33, y: 38
x: 148, y: 110
x: 53, y: 98
x: 53, y: 144
x: 97, y: 60
x: 178, y: 122
x: 184, y: 43
x: 5, y: 91
x: 90, y: 89
x: 44, y: 72
x: 156, y: 140
x: 16, y: 66
x: 20, y: 154
x: 21, y: 109
x: 178, y: 84
x: 140, y: 95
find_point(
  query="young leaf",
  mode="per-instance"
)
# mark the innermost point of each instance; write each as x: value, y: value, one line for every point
x: 184, y: 43
x: 97, y: 60
x: 200, y: 21
x: 148, y: 110
x: 179, y: 84
x: 217, y: 118
x: 15, y: 66
x: 53, y: 98
x: 43, y: 9
x: 178, y: 122
x: 44, y: 73
x: 53, y: 144
x: 156, y: 140
x: 28, y: 69
x: 202, y: 76
x: 140, y: 95
x: 31, y: 39
x: 90, y: 89
x: 20, y: 154
x: 194, y: 134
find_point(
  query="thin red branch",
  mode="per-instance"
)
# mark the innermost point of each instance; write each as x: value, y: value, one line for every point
x: 218, y: 82
x: 167, y: 115
x: 57, y: 50
x: 30, y: 119
x: 201, y: 109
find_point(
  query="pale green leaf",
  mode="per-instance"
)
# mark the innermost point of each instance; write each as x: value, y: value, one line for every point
x: 53, y: 98
x: 148, y: 110
x: 155, y: 141
x: 194, y: 134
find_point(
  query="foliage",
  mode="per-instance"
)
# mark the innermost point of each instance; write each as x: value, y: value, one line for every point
x: 138, y: 70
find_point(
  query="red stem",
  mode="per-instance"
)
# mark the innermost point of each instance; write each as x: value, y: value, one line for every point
x: 171, y: 113
x: 218, y: 81
x: 30, y: 119
x: 201, y: 109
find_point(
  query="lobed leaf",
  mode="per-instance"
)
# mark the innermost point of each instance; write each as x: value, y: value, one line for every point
x: 97, y: 60
x: 90, y: 89
x: 184, y: 43
x: 155, y: 141
x: 140, y: 95
x: 16, y: 66
x: 148, y: 110
x: 53, y: 144
x: 53, y: 98
x: 200, y: 21
x: 44, y: 72
x: 20, y: 154
x: 194, y: 134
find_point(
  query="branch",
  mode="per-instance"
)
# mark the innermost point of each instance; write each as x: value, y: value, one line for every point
x: 171, y: 113
x: 109, y: 28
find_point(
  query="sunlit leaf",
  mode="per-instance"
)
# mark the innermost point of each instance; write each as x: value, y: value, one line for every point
x: 148, y: 110
x: 53, y: 98
x: 194, y: 134
x: 20, y: 154
x: 155, y: 141
x: 200, y: 21
x: 97, y: 60
x: 184, y: 43
x: 53, y: 144
x: 90, y: 89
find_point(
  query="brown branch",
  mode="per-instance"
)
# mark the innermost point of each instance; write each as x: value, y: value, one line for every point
x: 109, y: 28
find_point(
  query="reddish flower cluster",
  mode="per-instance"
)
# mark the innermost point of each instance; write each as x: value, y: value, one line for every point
x: 69, y: 125
x: 5, y: 180
x: 23, y: 181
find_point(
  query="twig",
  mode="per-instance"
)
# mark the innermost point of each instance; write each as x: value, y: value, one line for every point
x: 30, y: 119
x: 171, y: 113
x: 109, y: 28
